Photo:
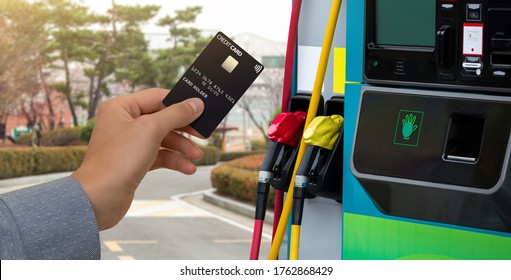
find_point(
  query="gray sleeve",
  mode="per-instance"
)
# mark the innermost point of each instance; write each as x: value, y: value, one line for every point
x: 53, y: 220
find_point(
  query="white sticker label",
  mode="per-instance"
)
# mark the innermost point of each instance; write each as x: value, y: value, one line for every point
x: 308, y: 59
x: 472, y: 39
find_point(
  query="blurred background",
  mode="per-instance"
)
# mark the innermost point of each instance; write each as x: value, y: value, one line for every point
x: 59, y: 59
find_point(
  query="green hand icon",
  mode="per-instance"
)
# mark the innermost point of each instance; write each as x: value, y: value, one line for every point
x: 409, y: 126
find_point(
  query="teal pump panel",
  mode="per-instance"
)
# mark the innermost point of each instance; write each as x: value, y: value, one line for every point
x: 426, y: 163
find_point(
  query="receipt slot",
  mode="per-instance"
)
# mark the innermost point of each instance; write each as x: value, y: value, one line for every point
x: 435, y: 156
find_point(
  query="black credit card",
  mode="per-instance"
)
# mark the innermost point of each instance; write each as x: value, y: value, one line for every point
x: 219, y: 76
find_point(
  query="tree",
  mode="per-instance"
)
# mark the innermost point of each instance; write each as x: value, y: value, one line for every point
x: 120, y: 49
x: 7, y: 61
x: 186, y: 44
x: 70, y: 41
x: 61, y: 36
x: 134, y: 64
x: 23, y: 37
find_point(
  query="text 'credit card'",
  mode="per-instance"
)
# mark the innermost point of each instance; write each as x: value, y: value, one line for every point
x: 220, y: 75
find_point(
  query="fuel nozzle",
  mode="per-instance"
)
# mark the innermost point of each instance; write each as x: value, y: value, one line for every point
x: 322, y: 133
x: 285, y: 132
x: 287, y: 128
x: 320, y: 169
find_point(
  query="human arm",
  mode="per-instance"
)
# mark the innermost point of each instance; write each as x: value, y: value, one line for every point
x: 134, y: 134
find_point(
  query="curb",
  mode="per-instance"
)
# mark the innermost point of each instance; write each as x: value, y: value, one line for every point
x: 241, y: 208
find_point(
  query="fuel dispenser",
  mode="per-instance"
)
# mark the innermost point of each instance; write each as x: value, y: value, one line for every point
x: 425, y: 150
x: 317, y: 172
x: 427, y: 132
x: 282, y: 169
x: 284, y: 132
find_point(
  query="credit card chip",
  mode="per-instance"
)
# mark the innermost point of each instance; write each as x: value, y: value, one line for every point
x: 229, y: 64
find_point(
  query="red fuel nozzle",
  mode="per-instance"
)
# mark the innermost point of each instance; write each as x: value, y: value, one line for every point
x: 287, y: 128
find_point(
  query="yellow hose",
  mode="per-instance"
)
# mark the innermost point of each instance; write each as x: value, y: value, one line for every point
x: 294, y: 242
x: 311, y: 114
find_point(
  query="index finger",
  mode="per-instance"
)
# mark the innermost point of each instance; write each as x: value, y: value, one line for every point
x: 145, y: 101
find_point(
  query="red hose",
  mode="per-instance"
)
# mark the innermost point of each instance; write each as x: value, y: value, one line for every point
x: 286, y: 93
x: 256, y: 239
x: 290, y: 54
x: 277, y: 210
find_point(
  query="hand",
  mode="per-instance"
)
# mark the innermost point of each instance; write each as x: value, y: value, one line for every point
x: 409, y: 126
x: 134, y: 134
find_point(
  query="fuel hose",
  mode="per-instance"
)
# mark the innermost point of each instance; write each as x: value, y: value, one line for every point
x: 286, y: 93
x: 322, y: 132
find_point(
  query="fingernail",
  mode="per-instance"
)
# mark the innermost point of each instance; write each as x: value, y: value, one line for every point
x: 195, y: 103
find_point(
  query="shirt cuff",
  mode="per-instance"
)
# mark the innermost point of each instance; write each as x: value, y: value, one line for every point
x: 53, y: 220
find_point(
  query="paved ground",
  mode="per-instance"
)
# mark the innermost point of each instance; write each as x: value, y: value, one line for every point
x: 170, y: 220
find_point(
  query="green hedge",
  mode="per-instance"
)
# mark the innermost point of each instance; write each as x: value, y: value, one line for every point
x: 19, y: 162
x: 238, y: 179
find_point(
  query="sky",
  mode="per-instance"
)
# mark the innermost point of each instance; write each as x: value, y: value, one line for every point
x: 266, y: 18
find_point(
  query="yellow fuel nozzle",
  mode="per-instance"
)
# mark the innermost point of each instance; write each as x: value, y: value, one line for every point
x: 323, y: 131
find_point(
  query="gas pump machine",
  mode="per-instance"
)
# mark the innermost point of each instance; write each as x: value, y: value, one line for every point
x: 428, y: 130
x: 424, y: 90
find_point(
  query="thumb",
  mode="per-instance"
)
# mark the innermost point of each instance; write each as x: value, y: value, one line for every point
x: 179, y: 115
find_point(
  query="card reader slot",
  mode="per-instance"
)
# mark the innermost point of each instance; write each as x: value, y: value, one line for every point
x: 470, y: 65
x: 464, y: 138
x: 465, y: 159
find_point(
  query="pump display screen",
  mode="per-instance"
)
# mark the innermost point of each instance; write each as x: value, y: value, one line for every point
x: 405, y: 22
